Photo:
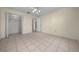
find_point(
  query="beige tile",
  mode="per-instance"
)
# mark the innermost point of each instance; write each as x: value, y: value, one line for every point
x: 13, y: 49
x: 63, y: 46
x: 42, y: 47
x: 38, y: 42
x: 73, y: 46
x: 51, y: 48
x: 31, y: 47
x: 23, y: 50
x: 3, y: 45
x: 35, y: 50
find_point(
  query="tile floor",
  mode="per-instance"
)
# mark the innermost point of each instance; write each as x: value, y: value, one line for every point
x: 38, y: 42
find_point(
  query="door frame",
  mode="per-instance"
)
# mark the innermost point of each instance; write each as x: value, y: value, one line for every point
x: 6, y: 23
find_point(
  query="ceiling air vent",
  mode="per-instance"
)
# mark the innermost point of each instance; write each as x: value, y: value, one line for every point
x: 28, y: 12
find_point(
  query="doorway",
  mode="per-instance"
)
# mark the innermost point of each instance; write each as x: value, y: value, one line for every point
x: 36, y: 25
x: 13, y: 24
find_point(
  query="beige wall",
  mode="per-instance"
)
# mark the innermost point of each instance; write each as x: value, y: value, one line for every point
x: 27, y: 24
x: 26, y: 21
x: 0, y: 24
x: 63, y: 22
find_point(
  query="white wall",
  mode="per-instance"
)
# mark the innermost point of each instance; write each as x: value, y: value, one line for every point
x: 27, y: 24
x: 26, y: 18
x: 63, y: 22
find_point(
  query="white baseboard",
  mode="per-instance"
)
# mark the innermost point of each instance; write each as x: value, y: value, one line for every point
x: 62, y: 36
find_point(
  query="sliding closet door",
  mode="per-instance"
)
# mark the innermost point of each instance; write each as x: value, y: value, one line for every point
x: 14, y: 24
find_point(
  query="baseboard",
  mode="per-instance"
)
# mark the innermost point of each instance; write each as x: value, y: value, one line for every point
x: 61, y: 36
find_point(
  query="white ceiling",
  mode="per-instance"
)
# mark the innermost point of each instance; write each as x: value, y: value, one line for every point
x: 44, y: 10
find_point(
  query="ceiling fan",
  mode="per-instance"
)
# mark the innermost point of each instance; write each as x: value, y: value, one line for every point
x: 35, y: 11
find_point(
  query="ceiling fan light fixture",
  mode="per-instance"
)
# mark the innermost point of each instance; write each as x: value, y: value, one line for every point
x: 34, y: 10
x: 39, y: 11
